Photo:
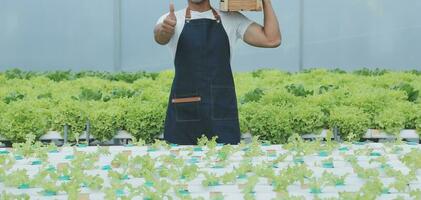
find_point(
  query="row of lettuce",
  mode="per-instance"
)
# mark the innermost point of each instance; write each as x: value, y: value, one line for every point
x: 273, y: 104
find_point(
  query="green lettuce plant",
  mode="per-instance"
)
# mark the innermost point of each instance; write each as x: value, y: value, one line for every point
x: 371, y: 72
x: 252, y: 96
x: 299, y: 90
x: 417, y: 120
x: 145, y: 120
x: 374, y: 101
x: 13, y: 97
x: 72, y: 113
x: 22, y: 118
x: 106, y: 119
x: 307, y: 118
x: 391, y: 119
x: 88, y: 94
x: 351, y: 122
x: 279, y: 97
x: 140, y: 100
x: 272, y: 123
x: 246, y: 112
x: 411, y: 92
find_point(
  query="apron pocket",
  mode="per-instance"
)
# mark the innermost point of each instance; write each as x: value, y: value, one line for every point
x: 223, y: 103
x: 186, y: 106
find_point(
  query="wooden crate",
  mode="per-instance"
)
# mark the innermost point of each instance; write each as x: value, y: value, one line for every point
x: 241, y: 5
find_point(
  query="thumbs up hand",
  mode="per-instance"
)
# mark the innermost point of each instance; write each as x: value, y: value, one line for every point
x: 164, y: 31
x: 168, y: 26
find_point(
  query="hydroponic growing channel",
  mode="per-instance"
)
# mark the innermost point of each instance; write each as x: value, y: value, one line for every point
x: 297, y: 170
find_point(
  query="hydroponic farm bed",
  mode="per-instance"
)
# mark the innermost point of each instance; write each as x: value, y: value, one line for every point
x: 297, y: 170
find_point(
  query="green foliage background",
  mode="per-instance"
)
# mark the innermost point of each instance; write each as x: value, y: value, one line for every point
x: 273, y: 104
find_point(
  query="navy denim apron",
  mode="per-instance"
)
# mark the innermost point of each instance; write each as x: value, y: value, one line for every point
x: 202, y: 99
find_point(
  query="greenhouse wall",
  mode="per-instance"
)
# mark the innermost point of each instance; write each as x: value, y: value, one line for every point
x: 117, y: 35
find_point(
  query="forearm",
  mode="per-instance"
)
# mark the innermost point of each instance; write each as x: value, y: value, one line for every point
x: 161, y: 37
x: 271, y: 25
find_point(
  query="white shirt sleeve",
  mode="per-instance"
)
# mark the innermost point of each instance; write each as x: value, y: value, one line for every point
x: 241, y: 23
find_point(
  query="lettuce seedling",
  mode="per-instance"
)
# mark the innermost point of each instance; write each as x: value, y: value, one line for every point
x: 94, y: 182
x: 216, y: 196
x: 248, y: 187
x: 254, y: 149
x: 328, y: 163
x: 211, y: 179
x: 244, y: 167
x: 115, y: 175
x: 280, y: 183
x: 316, y: 185
x: 50, y: 187
x: 402, y: 181
x: 373, y: 188
x: 138, y: 142
x: 229, y: 177
x: 225, y: 152
x: 415, y: 194
x: 411, y: 159
x: 189, y: 172
x: 103, y: 151
x: 72, y: 188
x: 331, y: 179
x: 171, y: 160
x: 141, y: 166
x: 9, y: 196
x: 365, y: 173
x: 28, y: 148
x: 164, y: 172
x: 264, y: 170
x: 17, y: 178
x: 52, y: 147
x: 6, y: 162
x: 160, y: 144
x: 120, y: 160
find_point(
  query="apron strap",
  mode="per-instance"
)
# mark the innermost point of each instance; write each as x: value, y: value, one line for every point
x: 215, y: 14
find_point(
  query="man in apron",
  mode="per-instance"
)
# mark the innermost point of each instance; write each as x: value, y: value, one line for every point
x: 202, y: 100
